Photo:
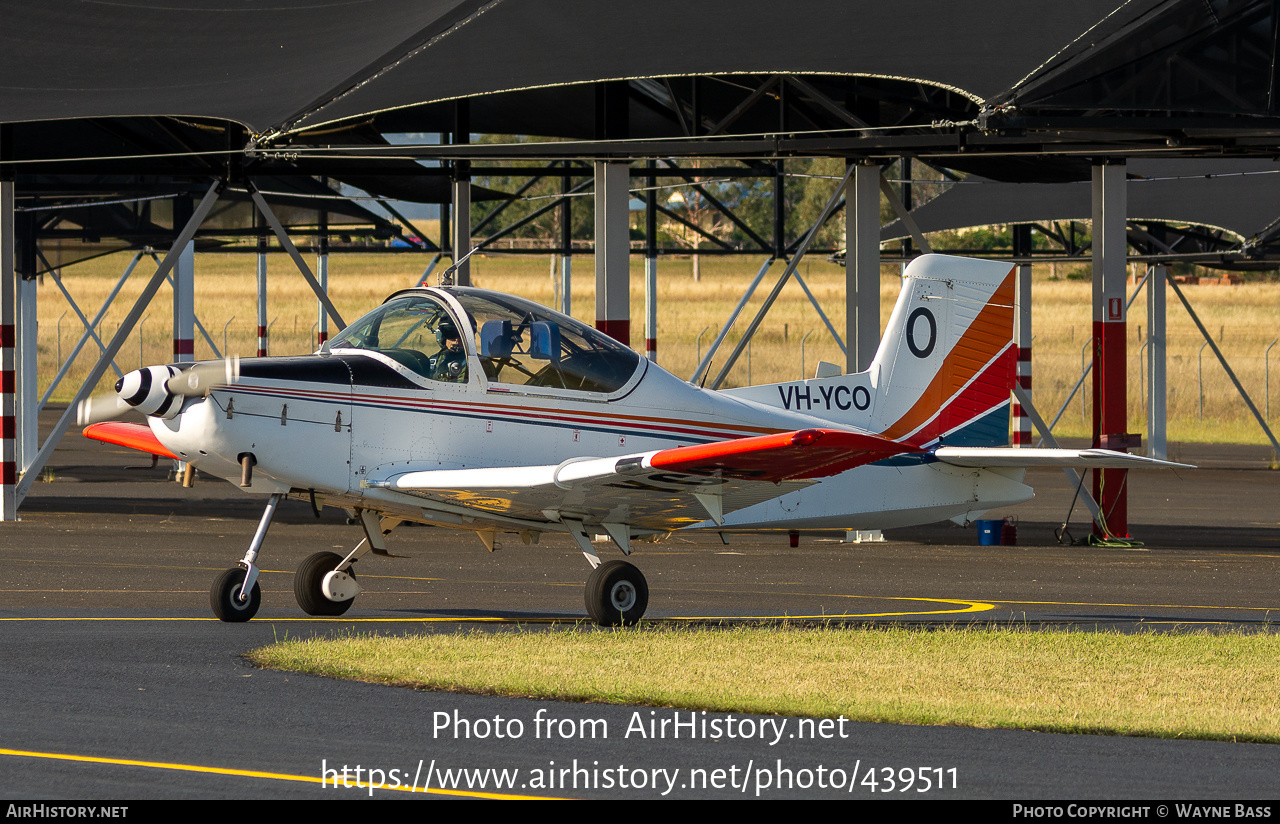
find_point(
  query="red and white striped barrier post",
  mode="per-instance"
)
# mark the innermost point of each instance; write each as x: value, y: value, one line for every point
x: 1022, y: 338
x: 263, y: 344
x: 8, y: 359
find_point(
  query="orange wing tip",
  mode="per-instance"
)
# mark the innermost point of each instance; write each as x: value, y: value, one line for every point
x: 807, y: 453
x: 133, y: 435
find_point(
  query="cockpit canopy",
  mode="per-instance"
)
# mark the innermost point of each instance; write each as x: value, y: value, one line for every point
x: 518, y: 342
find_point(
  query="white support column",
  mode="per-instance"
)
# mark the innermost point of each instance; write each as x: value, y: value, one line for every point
x: 264, y: 345
x: 613, y: 250
x: 8, y: 355
x: 184, y: 305
x: 651, y: 308
x: 566, y: 242
x: 862, y: 268
x: 28, y: 401
x: 566, y: 279
x: 1157, y: 393
x: 322, y: 274
x: 1022, y: 339
x: 462, y: 224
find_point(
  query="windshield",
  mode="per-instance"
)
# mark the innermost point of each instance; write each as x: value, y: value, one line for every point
x: 415, y: 331
x: 525, y: 344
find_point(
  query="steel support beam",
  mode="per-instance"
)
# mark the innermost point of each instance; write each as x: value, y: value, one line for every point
x: 264, y: 345
x: 322, y: 273
x: 613, y: 250
x: 89, y: 334
x: 651, y: 266
x: 566, y: 246
x: 184, y: 305
x: 862, y: 266
x: 322, y: 270
x: 1022, y: 333
x: 1157, y: 358
x: 117, y: 341
x: 461, y: 202
x: 1110, y: 399
x: 303, y: 268
x: 28, y: 402
x: 728, y: 324
x: 782, y: 281
x: 1226, y: 367
x: 461, y: 221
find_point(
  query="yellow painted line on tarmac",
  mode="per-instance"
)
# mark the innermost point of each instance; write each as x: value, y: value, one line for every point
x: 1272, y: 608
x: 303, y: 779
x: 966, y: 606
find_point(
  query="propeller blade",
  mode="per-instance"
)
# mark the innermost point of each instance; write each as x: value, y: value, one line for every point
x: 98, y: 408
x: 203, y: 377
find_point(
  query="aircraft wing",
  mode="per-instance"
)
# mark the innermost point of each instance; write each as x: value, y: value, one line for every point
x: 661, y: 490
x: 990, y: 457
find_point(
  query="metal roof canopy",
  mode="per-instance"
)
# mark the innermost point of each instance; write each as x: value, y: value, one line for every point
x: 998, y: 78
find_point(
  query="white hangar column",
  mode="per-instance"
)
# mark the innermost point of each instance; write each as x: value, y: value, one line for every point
x: 613, y: 250
x: 862, y: 267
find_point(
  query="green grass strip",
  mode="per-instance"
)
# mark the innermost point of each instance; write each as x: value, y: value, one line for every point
x: 1197, y: 685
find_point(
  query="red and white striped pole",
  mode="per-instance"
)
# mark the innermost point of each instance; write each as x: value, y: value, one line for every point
x: 322, y: 273
x: 8, y: 359
x: 613, y: 250
x: 1110, y: 397
x: 1022, y: 339
x: 263, y: 345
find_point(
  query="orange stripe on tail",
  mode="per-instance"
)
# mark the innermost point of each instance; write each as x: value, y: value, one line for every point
x: 990, y: 334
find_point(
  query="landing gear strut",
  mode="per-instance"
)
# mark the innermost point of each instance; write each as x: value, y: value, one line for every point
x: 235, y: 595
x: 617, y: 594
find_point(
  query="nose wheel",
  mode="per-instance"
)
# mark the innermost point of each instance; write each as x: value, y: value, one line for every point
x: 617, y: 594
x: 225, y: 597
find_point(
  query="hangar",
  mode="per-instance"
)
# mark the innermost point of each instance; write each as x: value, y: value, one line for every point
x: 229, y: 99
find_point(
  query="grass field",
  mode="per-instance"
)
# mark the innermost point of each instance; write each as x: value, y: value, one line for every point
x: 1243, y: 319
x: 1196, y: 685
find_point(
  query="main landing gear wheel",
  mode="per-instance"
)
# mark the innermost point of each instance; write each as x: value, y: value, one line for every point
x: 617, y: 594
x: 224, y: 597
x: 308, y: 584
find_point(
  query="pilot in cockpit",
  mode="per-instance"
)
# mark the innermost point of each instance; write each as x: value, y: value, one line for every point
x: 451, y: 363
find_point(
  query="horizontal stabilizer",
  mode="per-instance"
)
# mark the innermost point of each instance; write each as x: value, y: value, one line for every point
x: 985, y: 457
x: 133, y: 435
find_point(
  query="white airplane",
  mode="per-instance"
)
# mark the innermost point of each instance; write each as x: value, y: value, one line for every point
x: 528, y: 422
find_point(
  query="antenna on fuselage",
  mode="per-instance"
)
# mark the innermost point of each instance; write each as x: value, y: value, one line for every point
x: 446, y: 277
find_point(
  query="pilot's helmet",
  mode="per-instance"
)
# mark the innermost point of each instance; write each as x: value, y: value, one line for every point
x: 445, y: 331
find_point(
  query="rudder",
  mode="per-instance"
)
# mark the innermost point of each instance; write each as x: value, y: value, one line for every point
x: 945, y: 366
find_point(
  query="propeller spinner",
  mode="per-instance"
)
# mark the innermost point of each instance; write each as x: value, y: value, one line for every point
x: 158, y: 390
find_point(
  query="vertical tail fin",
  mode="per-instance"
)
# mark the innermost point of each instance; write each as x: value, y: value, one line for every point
x: 946, y: 363
x: 944, y: 369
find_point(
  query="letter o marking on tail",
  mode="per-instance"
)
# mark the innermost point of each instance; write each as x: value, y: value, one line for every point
x: 861, y: 397
x: 927, y: 349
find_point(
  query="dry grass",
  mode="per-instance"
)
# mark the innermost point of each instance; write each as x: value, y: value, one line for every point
x: 1194, y: 685
x: 1245, y: 318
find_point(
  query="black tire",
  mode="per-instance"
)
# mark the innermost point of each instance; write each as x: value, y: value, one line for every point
x: 222, y: 597
x: 617, y: 594
x: 307, y: 583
